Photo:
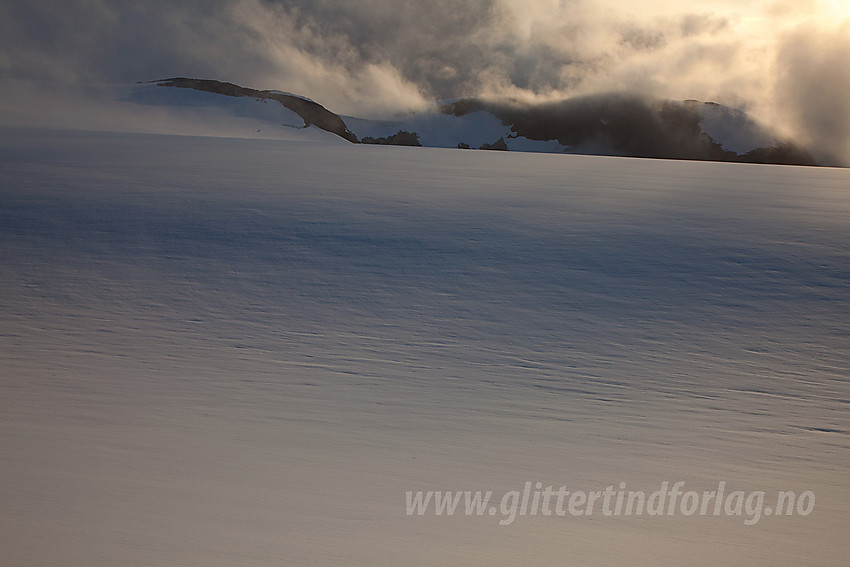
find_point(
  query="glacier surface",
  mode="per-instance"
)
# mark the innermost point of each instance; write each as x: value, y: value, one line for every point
x: 225, y: 351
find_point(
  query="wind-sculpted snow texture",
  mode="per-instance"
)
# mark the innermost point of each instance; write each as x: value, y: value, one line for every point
x: 221, y: 351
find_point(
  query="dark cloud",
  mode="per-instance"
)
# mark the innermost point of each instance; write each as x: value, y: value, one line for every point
x: 107, y: 41
x: 639, y: 39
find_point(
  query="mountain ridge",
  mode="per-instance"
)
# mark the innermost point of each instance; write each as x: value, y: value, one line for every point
x: 311, y: 112
x: 617, y: 124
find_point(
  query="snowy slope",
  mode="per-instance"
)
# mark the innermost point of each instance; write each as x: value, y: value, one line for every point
x: 731, y: 128
x: 270, y: 113
x: 243, y: 352
x: 440, y: 130
x: 148, y: 108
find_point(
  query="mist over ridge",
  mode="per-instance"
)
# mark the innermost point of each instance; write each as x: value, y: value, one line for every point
x: 616, y: 124
x: 781, y: 62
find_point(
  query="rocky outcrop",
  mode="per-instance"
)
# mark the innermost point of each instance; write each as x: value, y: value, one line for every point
x: 499, y: 144
x: 311, y: 112
x: 400, y: 138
